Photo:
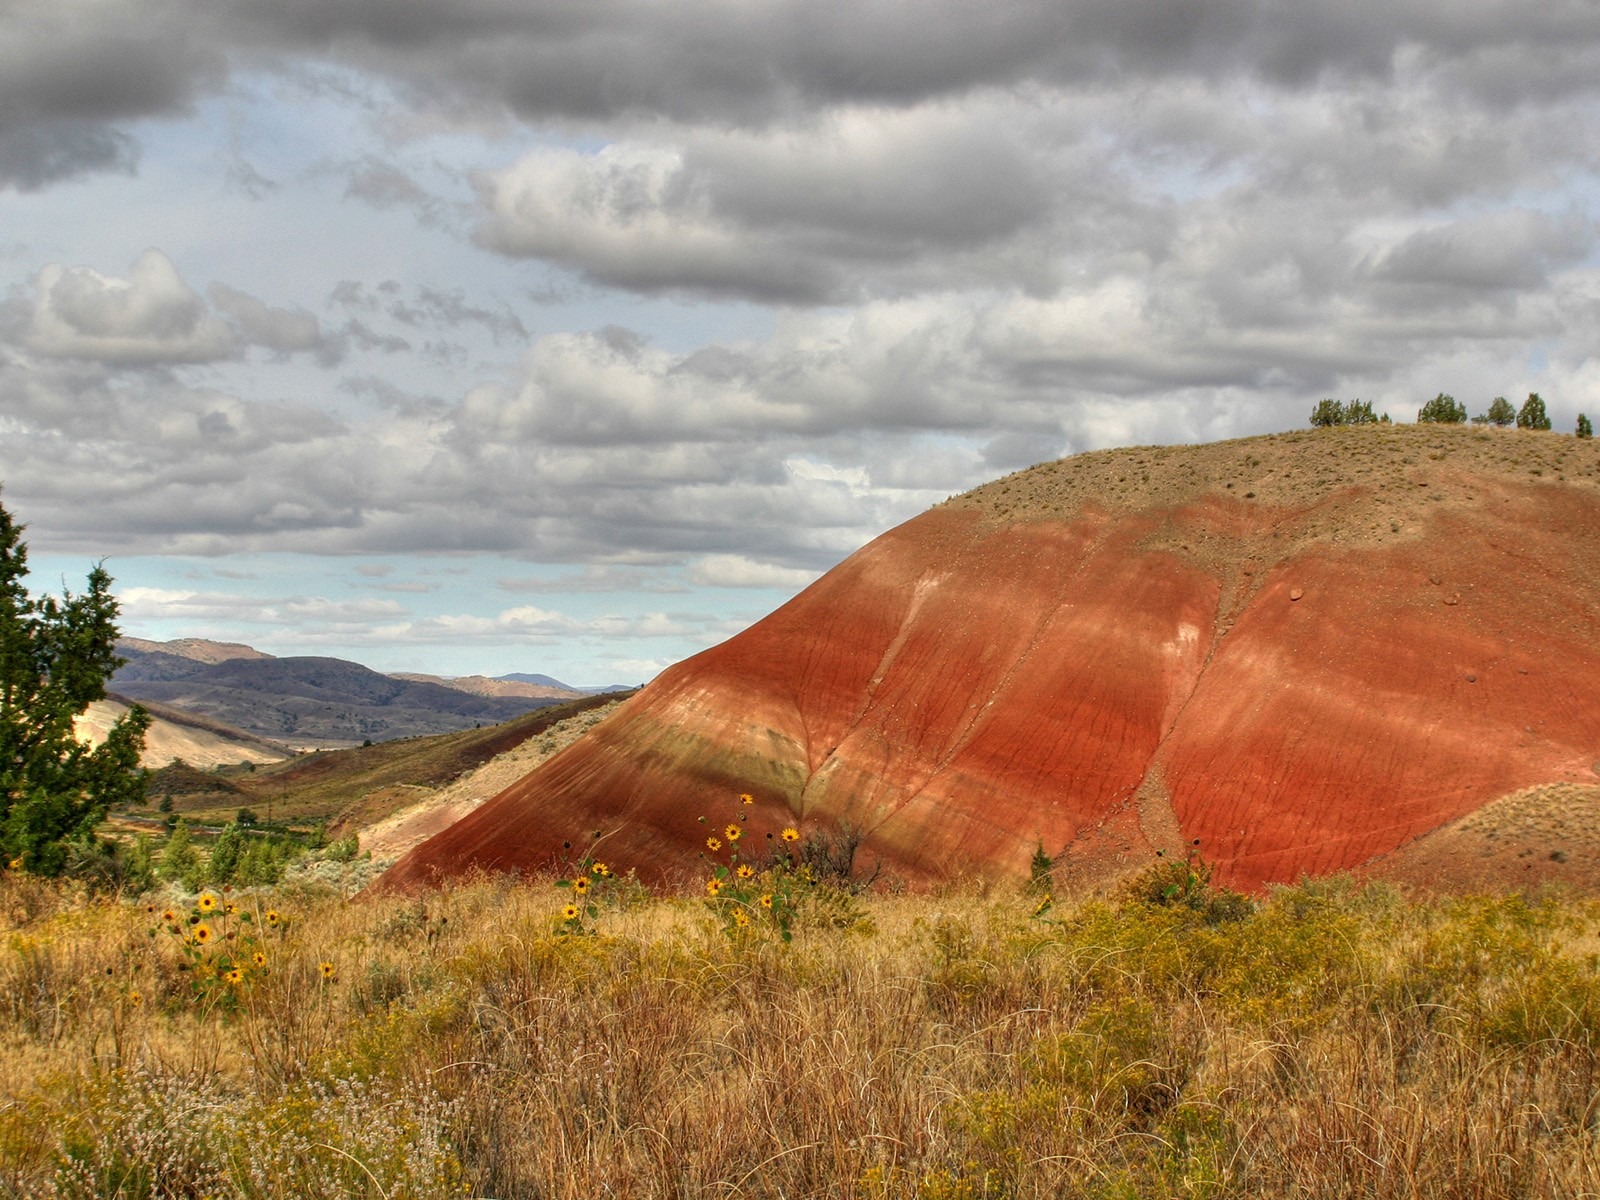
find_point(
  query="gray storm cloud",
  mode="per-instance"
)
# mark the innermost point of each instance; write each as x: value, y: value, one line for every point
x: 981, y: 235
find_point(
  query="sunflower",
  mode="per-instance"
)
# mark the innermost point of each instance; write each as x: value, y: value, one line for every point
x: 202, y: 934
x: 327, y: 970
x: 206, y: 903
x: 713, y: 886
x: 713, y: 845
x: 259, y: 958
x: 732, y: 833
x: 272, y: 918
x: 580, y: 885
x: 601, y: 870
x: 746, y: 798
x: 791, y: 834
x: 169, y: 916
x: 235, y: 976
x: 766, y: 901
x: 570, y: 913
x: 746, y: 871
x: 741, y: 918
x: 230, y: 909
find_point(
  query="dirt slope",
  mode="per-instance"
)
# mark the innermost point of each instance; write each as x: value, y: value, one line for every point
x: 174, y: 734
x: 1304, y: 650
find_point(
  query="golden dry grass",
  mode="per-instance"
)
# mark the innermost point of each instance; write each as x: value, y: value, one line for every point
x: 1335, y: 1041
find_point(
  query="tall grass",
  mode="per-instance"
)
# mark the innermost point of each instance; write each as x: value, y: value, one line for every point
x: 1333, y: 1041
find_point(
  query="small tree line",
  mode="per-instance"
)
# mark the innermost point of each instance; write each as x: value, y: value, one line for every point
x: 1445, y: 409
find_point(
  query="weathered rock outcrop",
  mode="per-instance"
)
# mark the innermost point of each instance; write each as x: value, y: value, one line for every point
x: 1305, y: 651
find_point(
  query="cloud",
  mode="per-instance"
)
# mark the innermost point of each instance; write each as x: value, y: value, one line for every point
x: 737, y: 571
x: 854, y: 203
x: 35, y: 157
x: 151, y: 316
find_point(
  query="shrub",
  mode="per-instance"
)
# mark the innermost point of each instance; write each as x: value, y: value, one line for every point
x: 1532, y: 414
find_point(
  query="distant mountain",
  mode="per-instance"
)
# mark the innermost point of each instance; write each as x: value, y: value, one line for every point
x: 198, y: 650
x: 310, y: 701
x: 546, y: 681
x: 481, y: 685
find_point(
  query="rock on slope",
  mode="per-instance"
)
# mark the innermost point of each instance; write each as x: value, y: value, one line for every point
x: 1304, y: 651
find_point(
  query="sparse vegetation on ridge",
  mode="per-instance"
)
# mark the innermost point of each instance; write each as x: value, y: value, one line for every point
x: 1332, y: 1040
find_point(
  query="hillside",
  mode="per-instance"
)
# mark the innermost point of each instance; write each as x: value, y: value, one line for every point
x: 1304, y: 651
x: 312, y: 702
x: 175, y: 734
x: 353, y: 788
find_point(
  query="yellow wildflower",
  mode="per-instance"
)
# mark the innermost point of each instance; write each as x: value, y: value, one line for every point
x: 713, y: 886
x: 732, y: 833
x: 206, y: 903
x: 580, y: 884
x: 741, y: 918
x: 327, y: 969
x: 713, y: 845
x: 570, y: 912
x: 766, y: 901
x: 745, y: 871
x: 791, y: 834
x: 746, y: 798
x: 601, y: 870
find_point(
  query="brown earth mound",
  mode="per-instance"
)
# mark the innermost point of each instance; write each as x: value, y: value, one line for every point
x: 1305, y: 651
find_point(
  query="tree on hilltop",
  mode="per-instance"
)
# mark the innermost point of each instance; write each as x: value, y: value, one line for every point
x: 1585, y: 429
x: 1532, y: 414
x: 55, y: 658
x: 1500, y: 413
x: 1334, y: 412
x: 1327, y: 413
x: 1442, y: 410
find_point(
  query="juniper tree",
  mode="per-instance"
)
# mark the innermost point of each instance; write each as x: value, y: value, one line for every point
x: 1532, y: 414
x: 1442, y: 410
x: 1585, y: 428
x: 55, y: 658
x: 1501, y: 413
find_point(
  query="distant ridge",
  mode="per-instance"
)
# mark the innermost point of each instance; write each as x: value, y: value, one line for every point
x: 306, y: 702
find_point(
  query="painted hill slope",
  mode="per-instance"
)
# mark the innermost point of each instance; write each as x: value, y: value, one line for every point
x: 1304, y: 650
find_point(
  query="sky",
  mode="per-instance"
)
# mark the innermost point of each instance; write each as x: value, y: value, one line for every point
x: 574, y: 336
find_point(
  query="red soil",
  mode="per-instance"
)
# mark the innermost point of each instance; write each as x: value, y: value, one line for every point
x: 1302, y: 687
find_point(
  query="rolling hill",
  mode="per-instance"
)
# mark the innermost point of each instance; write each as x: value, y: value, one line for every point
x: 1306, y: 652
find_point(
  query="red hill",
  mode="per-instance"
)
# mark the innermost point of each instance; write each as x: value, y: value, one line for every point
x: 1305, y: 651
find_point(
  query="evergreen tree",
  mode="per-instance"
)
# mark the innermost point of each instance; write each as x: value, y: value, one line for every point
x: 180, y: 861
x: 1442, y: 410
x: 1532, y: 415
x: 1585, y: 429
x: 225, y: 853
x: 55, y: 658
x: 1327, y: 413
x: 1501, y: 413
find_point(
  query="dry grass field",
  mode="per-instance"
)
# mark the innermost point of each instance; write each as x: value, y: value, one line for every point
x: 532, y: 1040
